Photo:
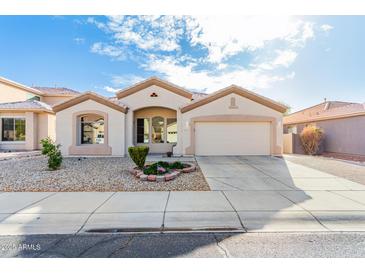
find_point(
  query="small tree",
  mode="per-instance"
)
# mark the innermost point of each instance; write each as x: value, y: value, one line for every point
x: 138, y: 155
x: 53, y: 152
x: 311, y: 138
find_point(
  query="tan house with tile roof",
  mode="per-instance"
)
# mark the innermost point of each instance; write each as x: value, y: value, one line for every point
x: 166, y: 117
x: 343, y: 123
x: 26, y: 114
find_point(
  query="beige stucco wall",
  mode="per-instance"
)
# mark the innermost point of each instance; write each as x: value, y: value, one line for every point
x: 116, y: 125
x: 343, y: 135
x: 221, y: 106
x: 31, y: 130
x: 288, y: 143
x: 142, y: 99
x: 13, y: 94
x: 53, y: 100
x: 46, y: 127
x: 155, y: 111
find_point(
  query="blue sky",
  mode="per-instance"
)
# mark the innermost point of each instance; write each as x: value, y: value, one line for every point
x: 295, y: 60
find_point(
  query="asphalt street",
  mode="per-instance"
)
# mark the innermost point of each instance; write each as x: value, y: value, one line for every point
x: 206, y: 245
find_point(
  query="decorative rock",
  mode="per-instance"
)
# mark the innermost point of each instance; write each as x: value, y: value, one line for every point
x: 169, y: 176
x: 139, y: 173
x: 94, y: 174
x: 160, y: 178
x: 143, y: 177
x: 132, y: 171
x: 151, y: 178
x: 189, y: 169
x: 175, y: 173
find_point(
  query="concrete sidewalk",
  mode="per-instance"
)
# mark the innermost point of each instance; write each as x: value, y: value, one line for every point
x: 265, y: 211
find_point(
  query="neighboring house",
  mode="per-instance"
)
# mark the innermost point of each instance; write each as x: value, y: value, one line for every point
x: 342, y: 122
x: 26, y: 114
x: 165, y: 117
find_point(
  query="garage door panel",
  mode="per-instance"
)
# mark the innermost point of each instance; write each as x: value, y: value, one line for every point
x: 232, y: 138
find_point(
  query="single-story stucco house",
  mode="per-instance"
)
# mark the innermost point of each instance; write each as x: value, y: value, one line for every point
x: 342, y: 122
x: 165, y: 117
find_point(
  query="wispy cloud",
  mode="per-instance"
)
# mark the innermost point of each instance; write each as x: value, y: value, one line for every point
x: 284, y: 58
x: 79, y: 40
x: 326, y: 27
x: 202, y: 52
x: 111, y: 89
x: 108, y: 50
x: 125, y: 80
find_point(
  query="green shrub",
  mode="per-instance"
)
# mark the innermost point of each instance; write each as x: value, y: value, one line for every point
x: 177, y: 165
x: 161, y: 167
x: 311, y: 138
x: 138, y: 155
x: 156, y: 169
x: 53, y: 152
x: 163, y: 164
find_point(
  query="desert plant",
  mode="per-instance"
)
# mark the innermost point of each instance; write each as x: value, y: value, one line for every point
x: 311, y: 138
x: 53, y: 152
x: 156, y: 169
x: 177, y: 165
x: 138, y: 155
x: 160, y: 167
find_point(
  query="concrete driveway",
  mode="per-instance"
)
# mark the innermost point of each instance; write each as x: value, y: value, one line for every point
x: 271, y: 194
x: 253, y: 194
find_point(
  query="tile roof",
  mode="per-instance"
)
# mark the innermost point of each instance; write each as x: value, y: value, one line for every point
x: 57, y: 91
x: 115, y: 100
x: 26, y: 105
x: 325, y: 111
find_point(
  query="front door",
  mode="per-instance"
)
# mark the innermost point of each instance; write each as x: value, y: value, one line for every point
x: 157, y: 132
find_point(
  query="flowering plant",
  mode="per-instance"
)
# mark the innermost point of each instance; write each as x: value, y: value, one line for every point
x: 161, y: 170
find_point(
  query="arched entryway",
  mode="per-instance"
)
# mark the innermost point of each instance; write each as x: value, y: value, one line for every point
x: 155, y: 127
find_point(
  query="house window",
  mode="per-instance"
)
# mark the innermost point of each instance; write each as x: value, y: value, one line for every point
x: 92, y: 129
x: 143, y: 130
x: 35, y: 98
x: 13, y: 129
x: 158, y: 124
x: 171, y: 129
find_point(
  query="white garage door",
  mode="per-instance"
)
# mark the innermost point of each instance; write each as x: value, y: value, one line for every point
x: 232, y: 138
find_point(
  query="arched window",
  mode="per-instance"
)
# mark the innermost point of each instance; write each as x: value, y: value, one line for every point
x: 158, y: 124
x: 91, y: 129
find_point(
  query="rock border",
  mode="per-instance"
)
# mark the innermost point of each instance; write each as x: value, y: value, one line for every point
x: 162, y: 178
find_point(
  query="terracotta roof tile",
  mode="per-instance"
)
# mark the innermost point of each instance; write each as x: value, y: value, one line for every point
x: 57, y: 91
x: 324, y: 111
x: 24, y: 105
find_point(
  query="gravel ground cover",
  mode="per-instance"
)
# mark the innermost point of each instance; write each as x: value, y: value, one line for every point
x: 87, y: 174
x: 350, y: 171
